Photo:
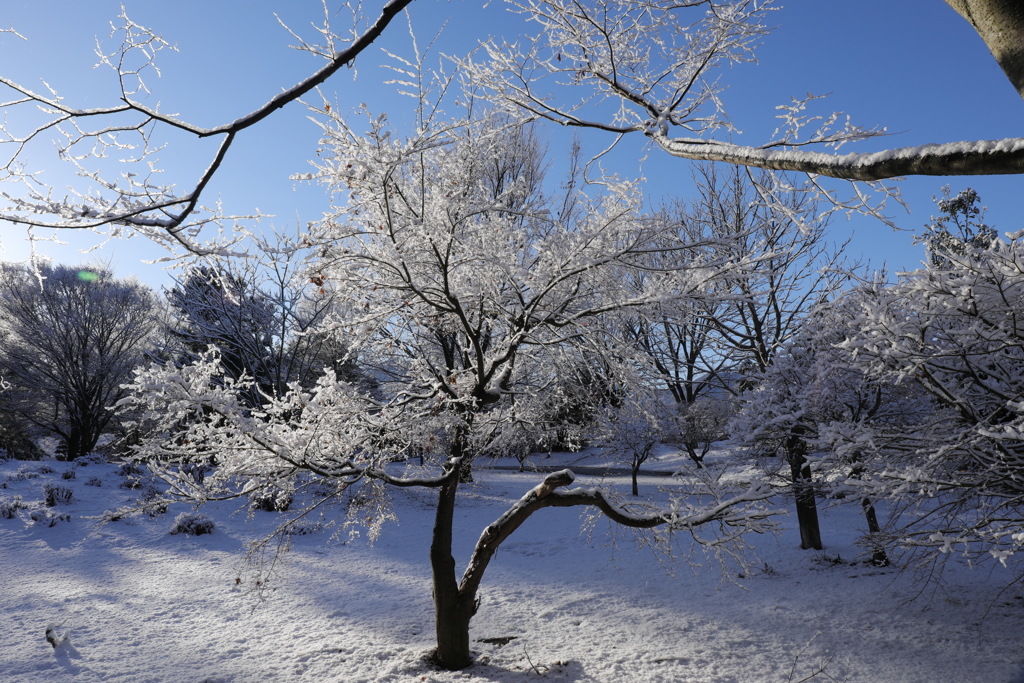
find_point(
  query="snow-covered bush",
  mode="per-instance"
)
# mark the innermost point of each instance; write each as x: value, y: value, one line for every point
x: 45, y: 469
x: 9, y: 508
x: 94, y: 481
x: 49, y: 517
x: 55, y: 494
x: 270, y: 500
x: 23, y: 473
x: 128, y: 469
x: 193, y: 524
x: 68, y: 474
x: 303, y: 528
x: 153, y: 502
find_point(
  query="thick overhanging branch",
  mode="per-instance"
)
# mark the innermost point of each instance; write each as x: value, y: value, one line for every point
x: 546, y: 494
x: 1000, y: 23
x: 981, y: 157
x: 537, y: 498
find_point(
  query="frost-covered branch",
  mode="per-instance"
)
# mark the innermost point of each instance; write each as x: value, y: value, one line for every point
x: 136, y: 200
x: 652, y: 67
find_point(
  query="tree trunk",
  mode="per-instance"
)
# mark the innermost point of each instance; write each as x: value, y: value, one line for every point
x: 466, y: 471
x: 691, y: 451
x: 1000, y: 23
x: 455, y: 604
x: 878, y: 556
x: 451, y: 614
x: 803, y: 492
x: 459, y: 448
x: 636, y: 489
x: 806, y: 507
x: 74, y: 446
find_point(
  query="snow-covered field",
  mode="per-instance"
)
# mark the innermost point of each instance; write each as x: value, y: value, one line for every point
x: 138, y: 604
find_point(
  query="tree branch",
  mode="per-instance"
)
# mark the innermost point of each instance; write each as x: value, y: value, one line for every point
x: 545, y: 495
x: 151, y: 206
x: 1000, y: 23
x: 982, y: 157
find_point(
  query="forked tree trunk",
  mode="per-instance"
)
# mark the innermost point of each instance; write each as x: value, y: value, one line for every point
x: 697, y: 458
x: 455, y: 604
x: 451, y: 612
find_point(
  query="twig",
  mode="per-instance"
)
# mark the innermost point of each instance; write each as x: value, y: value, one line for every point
x: 532, y: 665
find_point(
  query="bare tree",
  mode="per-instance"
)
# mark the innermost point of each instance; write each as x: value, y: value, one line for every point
x: 677, y: 340
x: 67, y: 344
x: 791, y: 267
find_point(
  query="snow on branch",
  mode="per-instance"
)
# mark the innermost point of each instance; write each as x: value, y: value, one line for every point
x: 982, y: 157
x: 652, y: 67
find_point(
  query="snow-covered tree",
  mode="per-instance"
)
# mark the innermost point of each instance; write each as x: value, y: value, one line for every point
x: 264, y: 321
x: 968, y: 226
x: 809, y: 402
x: 468, y: 296
x: 69, y: 338
x: 632, y: 431
x: 954, y: 329
x: 223, y: 310
x: 447, y: 280
x: 676, y: 339
x: 706, y: 349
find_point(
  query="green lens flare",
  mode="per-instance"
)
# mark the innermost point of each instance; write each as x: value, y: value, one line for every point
x: 88, y: 276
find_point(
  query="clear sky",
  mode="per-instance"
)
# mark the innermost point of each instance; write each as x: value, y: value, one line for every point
x: 912, y: 66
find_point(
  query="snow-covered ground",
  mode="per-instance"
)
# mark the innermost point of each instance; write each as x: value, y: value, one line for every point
x: 138, y: 604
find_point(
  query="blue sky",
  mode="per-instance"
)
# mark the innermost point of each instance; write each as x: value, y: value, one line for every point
x: 914, y: 67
